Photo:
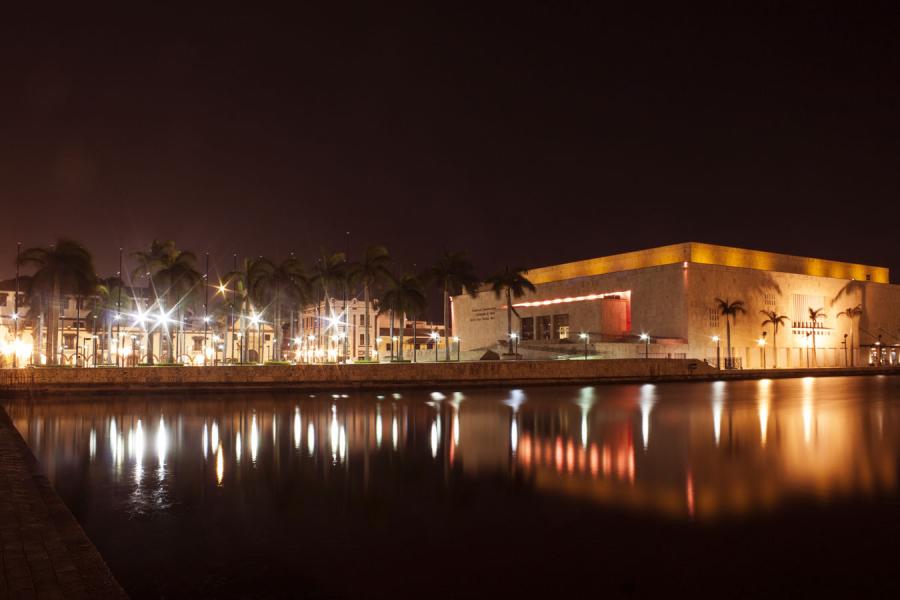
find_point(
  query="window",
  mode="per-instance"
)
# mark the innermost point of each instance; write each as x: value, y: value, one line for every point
x: 198, y: 344
x: 769, y: 299
x: 69, y: 341
x: 528, y: 328
x: 3, y: 299
x: 713, y: 318
x: 560, y: 323
x: 362, y: 339
x: 544, y: 329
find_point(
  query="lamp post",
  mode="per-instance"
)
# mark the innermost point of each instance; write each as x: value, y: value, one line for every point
x: 715, y: 338
x: 586, y: 338
x: 118, y: 314
x: 514, y: 344
x: 456, y: 340
x: 15, y: 316
x: 807, y: 348
x: 646, y: 339
x: 436, y: 338
x: 378, y: 347
x: 761, y: 342
x: 846, y: 357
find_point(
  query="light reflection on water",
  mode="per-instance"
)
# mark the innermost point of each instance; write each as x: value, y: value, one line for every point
x: 680, y: 451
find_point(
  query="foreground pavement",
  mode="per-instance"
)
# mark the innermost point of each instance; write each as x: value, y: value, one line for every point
x: 44, y: 552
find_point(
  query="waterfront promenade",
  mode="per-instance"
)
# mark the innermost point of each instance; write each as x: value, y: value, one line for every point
x: 44, y: 553
x: 68, y: 381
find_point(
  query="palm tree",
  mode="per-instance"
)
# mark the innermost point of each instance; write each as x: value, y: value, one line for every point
x: 65, y: 268
x: 105, y: 307
x: 453, y: 273
x: 241, y: 282
x: 175, y: 279
x: 328, y: 273
x: 373, y: 270
x: 278, y: 285
x: 776, y: 321
x: 513, y: 283
x: 814, y: 315
x: 404, y: 297
x: 730, y: 311
x: 853, y: 313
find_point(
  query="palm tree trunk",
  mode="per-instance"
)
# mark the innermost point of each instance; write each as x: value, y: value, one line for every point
x: 393, y: 345
x: 402, y: 329
x: 730, y: 364
x: 775, y: 347
x: 509, y: 320
x: 77, y: 327
x: 446, y: 323
x: 368, y: 354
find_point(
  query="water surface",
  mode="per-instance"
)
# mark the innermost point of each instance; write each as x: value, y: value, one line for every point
x: 624, y: 490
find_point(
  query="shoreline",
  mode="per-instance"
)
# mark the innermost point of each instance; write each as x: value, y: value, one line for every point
x: 364, y: 377
x: 45, y: 551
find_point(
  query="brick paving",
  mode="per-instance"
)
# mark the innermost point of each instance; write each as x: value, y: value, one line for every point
x: 44, y: 552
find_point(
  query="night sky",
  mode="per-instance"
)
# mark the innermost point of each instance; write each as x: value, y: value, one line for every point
x: 531, y: 135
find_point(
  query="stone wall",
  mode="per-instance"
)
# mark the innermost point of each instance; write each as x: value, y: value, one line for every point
x: 333, y: 377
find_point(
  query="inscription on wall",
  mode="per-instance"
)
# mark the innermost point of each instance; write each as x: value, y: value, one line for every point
x: 482, y: 314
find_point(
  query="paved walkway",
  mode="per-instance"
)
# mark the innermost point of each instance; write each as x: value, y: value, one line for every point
x: 44, y: 553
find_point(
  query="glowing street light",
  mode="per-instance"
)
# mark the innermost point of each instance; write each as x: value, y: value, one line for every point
x: 761, y: 342
x: 645, y: 337
x: 715, y: 338
x: 436, y: 338
x: 514, y: 344
x: 456, y: 341
x: 584, y: 336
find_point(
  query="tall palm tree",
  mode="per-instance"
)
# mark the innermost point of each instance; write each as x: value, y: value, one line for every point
x: 328, y: 274
x: 105, y: 307
x: 453, y: 273
x: 373, y: 270
x: 730, y: 310
x: 175, y: 280
x: 66, y: 268
x: 240, y: 281
x: 853, y: 313
x: 814, y: 315
x: 513, y: 283
x: 278, y: 285
x: 404, y: 297
x: 776, y: 321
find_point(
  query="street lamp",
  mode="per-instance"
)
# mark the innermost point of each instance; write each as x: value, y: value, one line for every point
x: 586, y: 339
x: 435, y: 336
x: 807, y: 348
x: 715, y: 338
x: 761, y: 342
x: 646, y: 339
x: 456, y: 341
x: 846, y: 358
x: 514, y: 344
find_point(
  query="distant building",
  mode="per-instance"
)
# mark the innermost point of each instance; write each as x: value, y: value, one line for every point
x: 603, y: 305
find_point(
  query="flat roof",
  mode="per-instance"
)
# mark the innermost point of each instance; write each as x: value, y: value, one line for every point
x: 709, y: 254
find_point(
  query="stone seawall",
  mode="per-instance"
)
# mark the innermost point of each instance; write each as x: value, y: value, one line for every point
x: 341, y: 377
x: 37, y: 382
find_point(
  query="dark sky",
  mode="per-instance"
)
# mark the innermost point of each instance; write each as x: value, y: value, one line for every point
x: 529, y: 135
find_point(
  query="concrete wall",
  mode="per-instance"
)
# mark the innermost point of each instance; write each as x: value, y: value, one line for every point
x: 332, y: 377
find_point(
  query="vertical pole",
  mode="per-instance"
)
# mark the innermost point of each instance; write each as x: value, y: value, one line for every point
x: 718, y: 354
x: 118, y: 315
x: 206, y: 309
x: 233, y: 298
x: 16, y: 308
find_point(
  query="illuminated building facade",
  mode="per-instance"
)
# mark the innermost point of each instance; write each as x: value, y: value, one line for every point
x: 601, y: 307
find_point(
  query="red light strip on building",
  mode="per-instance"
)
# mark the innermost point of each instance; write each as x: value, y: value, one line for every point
x: 573, y: 299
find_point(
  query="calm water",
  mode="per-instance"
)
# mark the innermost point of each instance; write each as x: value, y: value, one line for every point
x: 740, y: 488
